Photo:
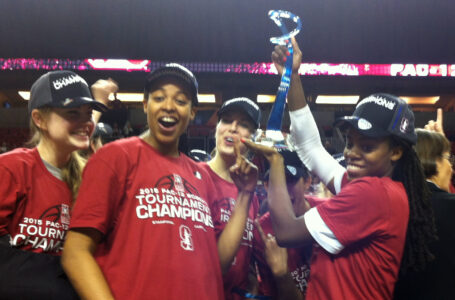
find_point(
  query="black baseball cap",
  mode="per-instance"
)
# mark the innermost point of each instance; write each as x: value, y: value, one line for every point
x: 244, y: 105
x: 102, y: 130
x: 199, y: 155
x: 61, y: 89
x: 381, y: 115
x: 293, y: 166
x: 173, y: 71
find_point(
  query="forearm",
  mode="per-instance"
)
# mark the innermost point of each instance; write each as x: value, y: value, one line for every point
x: 287, y: 289
x: 83, y: 270
x: 296, y: 95
x: 311, y: 152
x: 230, y: 238
x: 289, y: 229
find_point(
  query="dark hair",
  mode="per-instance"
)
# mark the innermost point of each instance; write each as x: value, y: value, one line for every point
x: 421, y: 229
x: 430, y: 147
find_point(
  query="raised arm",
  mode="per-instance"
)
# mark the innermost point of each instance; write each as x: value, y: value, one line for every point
x: 101, y: 90
x: 81, y: 267
x: 290, y: 231
x: 245, y: 175
x: 304, y: 131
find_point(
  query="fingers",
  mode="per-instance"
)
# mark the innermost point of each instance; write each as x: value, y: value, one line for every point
x: 280, y: 53
x: 260, y: 230
x: 258, y: 148
x: 295, y: 45
x: 439, y: 116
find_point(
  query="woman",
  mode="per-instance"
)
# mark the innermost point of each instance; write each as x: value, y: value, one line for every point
x: 142, y: 225
x: 238, y: 118
x: 39, y: 185
x: 436, y: 281
x: 380, y: 211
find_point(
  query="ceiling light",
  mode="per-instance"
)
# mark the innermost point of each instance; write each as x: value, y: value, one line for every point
x: 429, y: 100
x: 206, y: 98
x: 337, y: 99
x: 265, y: 98
x: 134, y: 97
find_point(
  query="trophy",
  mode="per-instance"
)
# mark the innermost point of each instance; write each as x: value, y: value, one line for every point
x: 273, y: 134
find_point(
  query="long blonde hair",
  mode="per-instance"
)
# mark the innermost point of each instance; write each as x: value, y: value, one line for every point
x: 72, y: 171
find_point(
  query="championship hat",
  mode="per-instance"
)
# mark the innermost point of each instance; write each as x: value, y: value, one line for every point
x: 61, y: 89
x: 381, y: 115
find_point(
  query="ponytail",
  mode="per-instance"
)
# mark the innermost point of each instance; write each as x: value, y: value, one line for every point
x: 421, y: 229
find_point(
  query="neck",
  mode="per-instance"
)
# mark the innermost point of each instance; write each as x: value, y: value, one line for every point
x: 51, y: 154
x: 221, y: 166
x: 439, y: 182
x: 171, y: 149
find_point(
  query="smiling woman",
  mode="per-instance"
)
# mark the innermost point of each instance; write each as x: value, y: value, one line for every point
x: 379, y: 224
x: 152, y: 206
x: 39, y: 186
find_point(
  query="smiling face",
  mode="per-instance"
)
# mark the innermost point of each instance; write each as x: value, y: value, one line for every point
x: 169, y: 111
x: 68, y: 129
x: 232, y: 127
x: 367, y: 156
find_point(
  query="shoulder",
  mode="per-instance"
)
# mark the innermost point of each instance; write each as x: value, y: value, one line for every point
x: 373, y: 184
x: 201, y: 168
x: 18, y: 157
x: 372, y: 189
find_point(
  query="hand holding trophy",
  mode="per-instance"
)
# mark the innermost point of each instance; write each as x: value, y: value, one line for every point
x: 273, y: 134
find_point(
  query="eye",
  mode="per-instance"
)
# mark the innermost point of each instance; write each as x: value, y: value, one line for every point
x: 244, y: 124
x: 367, y: 148
x: 349, y: 143
x: 181, y: 102
x: 158, y: 98
x: 226, y: 120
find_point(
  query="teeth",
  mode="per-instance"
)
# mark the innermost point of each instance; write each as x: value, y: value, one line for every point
x: 229, y: 139
x: 168, y: 119
x: 352, y: 167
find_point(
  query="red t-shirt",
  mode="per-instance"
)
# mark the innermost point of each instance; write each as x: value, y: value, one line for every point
x: 369, y: 218
x: 34, y: 204
x: 155, y: 214
x: 298, y: 262
x: 225, y: 199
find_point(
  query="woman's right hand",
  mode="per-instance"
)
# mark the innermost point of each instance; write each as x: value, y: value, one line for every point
x: 436, y: 126
x: 279, y: 57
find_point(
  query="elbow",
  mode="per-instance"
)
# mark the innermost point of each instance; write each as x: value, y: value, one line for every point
x: 66, y: 258
x: 285, y: 241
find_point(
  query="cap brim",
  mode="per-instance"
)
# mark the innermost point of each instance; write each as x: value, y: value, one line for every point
x: 159, y: 78
x: 237, y: 107
x: 77, y: 102
x: 353, y: 121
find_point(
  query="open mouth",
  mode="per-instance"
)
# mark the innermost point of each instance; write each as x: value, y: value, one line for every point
x: 167, y: 122
x: 82, y: 133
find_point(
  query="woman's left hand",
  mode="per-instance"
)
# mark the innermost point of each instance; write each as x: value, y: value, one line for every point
x: 244, y: 173
x: 269, y: 153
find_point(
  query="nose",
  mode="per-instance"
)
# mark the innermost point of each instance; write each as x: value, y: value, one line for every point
x: 350, y: 153
x: 234, y: 125
x: 168, y: 104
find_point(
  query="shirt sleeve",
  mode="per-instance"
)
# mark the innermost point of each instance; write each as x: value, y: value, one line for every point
x: 101, y: 192
x: 357, y: 212
x: 9, y: 194
x: 320, y: 232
